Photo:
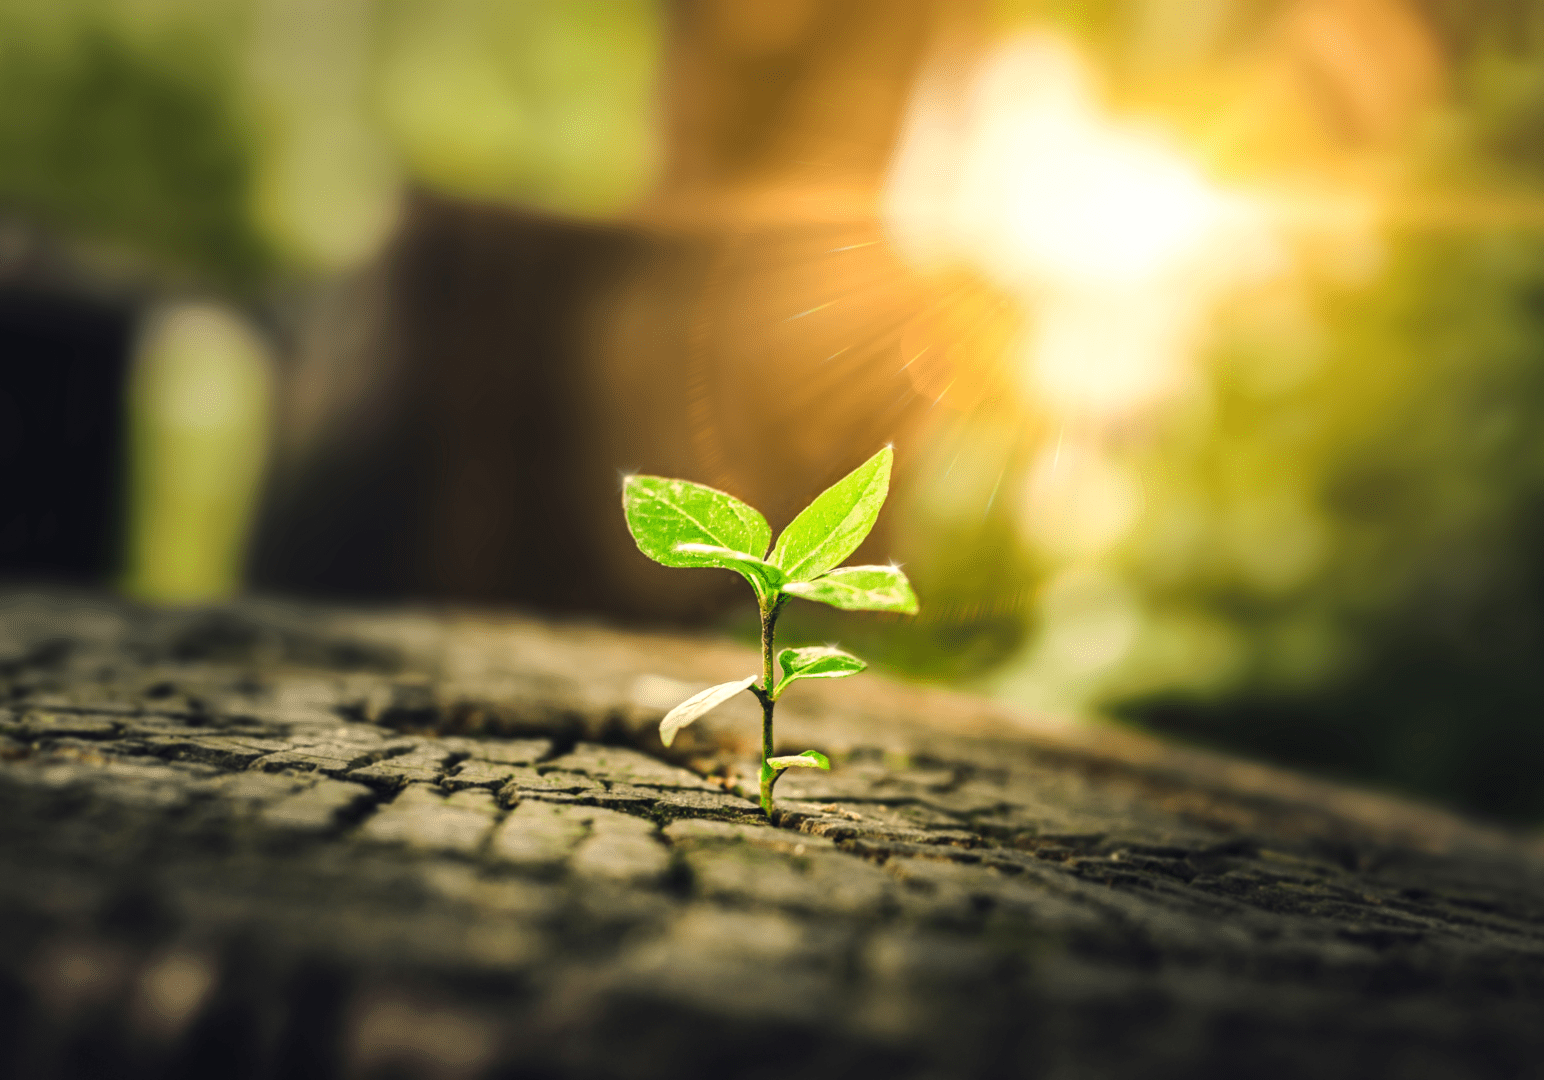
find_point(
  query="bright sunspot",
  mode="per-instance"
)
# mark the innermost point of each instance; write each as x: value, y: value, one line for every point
x: 1113, y: 238
x: 1059, y: 193
x: 1118, y: 250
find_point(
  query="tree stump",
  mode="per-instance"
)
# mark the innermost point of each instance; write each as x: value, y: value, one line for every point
x: 271, y: 840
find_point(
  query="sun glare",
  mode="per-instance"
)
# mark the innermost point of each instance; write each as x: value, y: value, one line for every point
x: 1097, y: 208
x: 1116, y: 248
x: 1113, y: 239
x: 1059, y: 193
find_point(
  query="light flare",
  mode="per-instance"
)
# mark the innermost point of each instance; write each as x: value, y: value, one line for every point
x: 1052, y: 192
x: 1115, y: 242
x: 1115, y: 249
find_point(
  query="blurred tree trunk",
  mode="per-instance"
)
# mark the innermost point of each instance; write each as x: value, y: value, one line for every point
x: 741, y: 330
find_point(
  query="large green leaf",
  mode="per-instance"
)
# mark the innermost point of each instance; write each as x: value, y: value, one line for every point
x: 860, y: 588
x: 831, y: 528
x: 765, y: 578
x: 810, y: 759
x: 663, y: 514
x: 816, y: 662
x: 694, y: 706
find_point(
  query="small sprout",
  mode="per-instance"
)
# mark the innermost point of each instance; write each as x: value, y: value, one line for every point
x: 678, y: 523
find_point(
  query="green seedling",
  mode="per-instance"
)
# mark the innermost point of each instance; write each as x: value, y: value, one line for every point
x: 678, y: 523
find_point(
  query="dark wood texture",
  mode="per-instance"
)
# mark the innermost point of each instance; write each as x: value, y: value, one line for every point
x: 264, y: 840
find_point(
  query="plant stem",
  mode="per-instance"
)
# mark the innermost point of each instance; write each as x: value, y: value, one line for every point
x: 768, y: 776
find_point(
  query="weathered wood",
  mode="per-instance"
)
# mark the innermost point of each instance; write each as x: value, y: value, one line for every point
x: 273, y: 841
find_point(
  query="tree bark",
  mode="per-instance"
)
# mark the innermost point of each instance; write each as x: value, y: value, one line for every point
x: 267, y: 840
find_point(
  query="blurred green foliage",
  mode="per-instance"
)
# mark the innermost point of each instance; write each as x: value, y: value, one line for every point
x: 198, y: 404
x: 546, y: 102
x: 133, y: 144
x: 1340, y: 562
x: 233, y: 141
x: 1407, y: 648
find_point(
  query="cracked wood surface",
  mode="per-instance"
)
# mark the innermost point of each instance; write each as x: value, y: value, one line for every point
x: 267, y: 840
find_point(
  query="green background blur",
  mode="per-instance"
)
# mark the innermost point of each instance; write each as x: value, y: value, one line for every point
x: 1338, y: 560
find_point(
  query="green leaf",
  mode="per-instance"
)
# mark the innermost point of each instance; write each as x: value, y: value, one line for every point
x: 765, y: 578
x: 816, y: 662
x: 664, y: 514
x: 694, y: 706
x: 810, y: 759
x: 831, y: 528
x: 860, y: 588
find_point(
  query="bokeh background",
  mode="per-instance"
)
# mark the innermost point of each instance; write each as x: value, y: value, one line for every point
x: 1210, y: 332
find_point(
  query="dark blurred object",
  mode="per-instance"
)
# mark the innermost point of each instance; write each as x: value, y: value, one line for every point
x: 526, y: 362
x: 741, y: 330
x: 62, y: 363
x: 451, y: 472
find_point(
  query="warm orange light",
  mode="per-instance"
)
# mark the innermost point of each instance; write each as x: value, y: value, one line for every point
x: 1113, y: 238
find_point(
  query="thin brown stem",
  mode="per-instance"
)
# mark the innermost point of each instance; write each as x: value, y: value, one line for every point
x: 768, y: 776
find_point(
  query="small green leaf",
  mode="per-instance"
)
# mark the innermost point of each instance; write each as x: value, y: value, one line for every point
x: 816, y: 662
x: 765, y: 578
x: 694, y: 706
x: 831, y: 528
x: 860, y: 588
x: 810, y: 759
x: 664, y: 514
